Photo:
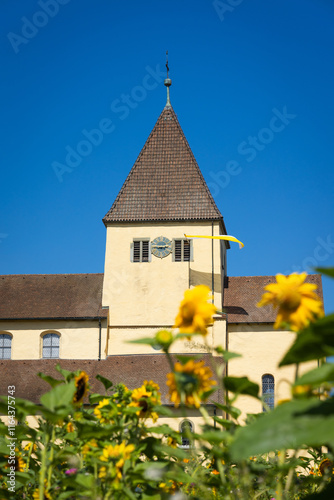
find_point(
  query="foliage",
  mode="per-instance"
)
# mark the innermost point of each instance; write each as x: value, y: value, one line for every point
x: 115, y: 448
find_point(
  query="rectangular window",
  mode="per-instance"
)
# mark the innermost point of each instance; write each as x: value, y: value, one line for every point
x: 268, y: 391
x: 182, y: 251
x: 141, y: 251
x: 51, y: 345
x: 5, y: 346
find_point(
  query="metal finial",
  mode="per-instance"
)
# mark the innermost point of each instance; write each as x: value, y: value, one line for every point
x: 168, y: 82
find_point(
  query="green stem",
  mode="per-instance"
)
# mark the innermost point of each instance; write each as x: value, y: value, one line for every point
x: 281, y: 461
x: 51, y: 457
x: 170, y: 361
x: 43, y: 467
x: 205, y: 414
x: 296, y: 373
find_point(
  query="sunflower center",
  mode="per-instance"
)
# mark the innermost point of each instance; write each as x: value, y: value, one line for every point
x: 188, y: 312
x: 143, y: 403
x: 290, y: 300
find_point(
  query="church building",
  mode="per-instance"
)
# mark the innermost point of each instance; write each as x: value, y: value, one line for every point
x: 84, y: 321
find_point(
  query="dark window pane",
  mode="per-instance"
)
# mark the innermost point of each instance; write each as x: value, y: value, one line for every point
x: 145, y: 245
x: 178, y: 250
x: 186, y: 250
x: 136, y: 251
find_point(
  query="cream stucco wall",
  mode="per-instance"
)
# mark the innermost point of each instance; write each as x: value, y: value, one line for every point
x: 262, y: 348
x: 149, y: 293
x: 119, y: 337
x: 78, y: 339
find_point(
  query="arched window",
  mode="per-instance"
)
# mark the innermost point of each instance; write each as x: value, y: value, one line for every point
x: 51, y: 345
x: 268, y: 391
x: 5, y: 346
x: 186, y: 427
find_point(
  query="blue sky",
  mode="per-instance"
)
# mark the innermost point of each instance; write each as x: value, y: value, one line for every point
x: 253, y: 90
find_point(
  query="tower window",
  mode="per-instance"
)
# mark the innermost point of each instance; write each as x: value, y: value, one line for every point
x: 141, y: 251
x: 51, y: 345
x: 182, y: 251
x: 5, y: 346
x: 268, y: 391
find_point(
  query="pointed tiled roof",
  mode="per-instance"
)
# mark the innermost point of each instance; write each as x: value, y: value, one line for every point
x: 165, y: 183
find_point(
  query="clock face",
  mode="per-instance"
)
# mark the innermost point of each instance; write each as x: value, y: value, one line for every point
x: 161, y: 247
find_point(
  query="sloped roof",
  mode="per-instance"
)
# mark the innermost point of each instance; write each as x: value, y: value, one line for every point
x: 37, y: 296
x: 52, y: 296
x: 244, y: 292
x: 131, y: 370
x: 165, y: 183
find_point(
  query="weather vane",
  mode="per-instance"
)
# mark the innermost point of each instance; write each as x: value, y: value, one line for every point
x: 167, y: 62
x: 168, y: 81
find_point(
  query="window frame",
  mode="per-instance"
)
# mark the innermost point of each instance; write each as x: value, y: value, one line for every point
x: 191, y: 251
x: 140, y: 261
x: 51, y: 347
x: 5, y: 336
x: 268, y: 391
x: 186, y: 443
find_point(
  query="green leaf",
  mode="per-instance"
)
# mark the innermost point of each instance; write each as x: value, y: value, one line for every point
x: 61, y: 395
x: 227, y: 355
x: 324, y: 373
x: 129, y: 493
x: 84, y: 480
x: 107, y: 383
x: 50, y: 380
x: 227, y: 424
x: 315, y: 342
x: 327, y: 271
x: 164, y: 411
x: 290, y: 425
x: 144, y: 340
x: 151, y: 497
x: 230, y: 410
x: 23, y: 407
x: 241, y: 385
x: 170, y: 451
x: 161, y: 429
x: 94, y: 430
x: 65, y: 373
x: 214, y: 436
x: 95, y: 398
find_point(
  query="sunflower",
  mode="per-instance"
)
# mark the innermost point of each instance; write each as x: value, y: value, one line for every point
x: 326, y: 467
x: 195, y: 313
x: 88, y: 447
x: 296, y: 301
x: 70, y: 427
x: 120, y: 453
x: 145, y: 397
x: 189, y: 383
x: 19, y: 464
x: 97, y: 410
x: 81, y: 384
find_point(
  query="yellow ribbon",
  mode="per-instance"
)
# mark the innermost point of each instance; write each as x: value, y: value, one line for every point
x: 223, y: 237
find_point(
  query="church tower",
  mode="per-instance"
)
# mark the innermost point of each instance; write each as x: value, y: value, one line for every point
x: 149, y: 262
